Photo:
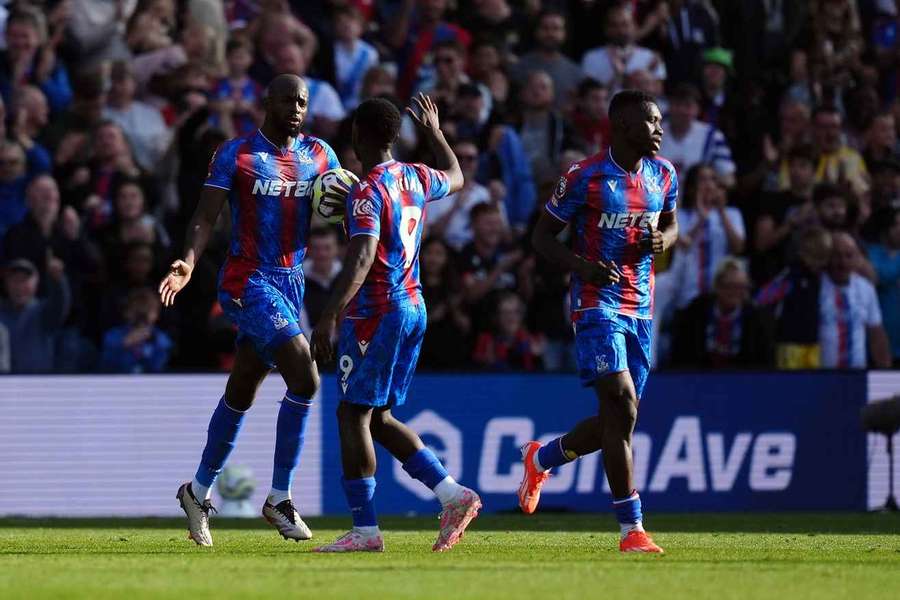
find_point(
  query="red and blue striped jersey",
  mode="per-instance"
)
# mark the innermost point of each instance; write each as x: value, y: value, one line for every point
x: 389, y: 204
x: 610, y: 210
x: 270, y: 194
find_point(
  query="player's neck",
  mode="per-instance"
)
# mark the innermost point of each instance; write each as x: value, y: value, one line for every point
x: 370, y: 161
x: 280, y: 139
x: 626, y: 158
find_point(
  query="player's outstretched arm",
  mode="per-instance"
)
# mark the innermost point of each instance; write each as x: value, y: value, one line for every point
x: 202, y: 223
x: 547, y: 244
x: 429, y: 125
x: 360, y: 255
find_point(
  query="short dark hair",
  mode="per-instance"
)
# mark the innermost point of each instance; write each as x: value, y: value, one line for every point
x: 627, y: 100
x: 482, y: 208
x: 685, y: 92
x: 238, y: 42
x: 588, y: 85
x: 378, y: 120
x: 450, y: 44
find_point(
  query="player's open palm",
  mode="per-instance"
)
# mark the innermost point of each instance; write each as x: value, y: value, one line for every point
x: 427, y: 117
x: 178, y: 277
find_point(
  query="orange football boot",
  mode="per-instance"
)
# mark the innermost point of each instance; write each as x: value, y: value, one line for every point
x: 639, y: 541
x: 532, y: 481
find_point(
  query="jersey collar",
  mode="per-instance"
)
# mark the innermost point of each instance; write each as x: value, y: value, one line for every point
x: 613, y: 168
x: 276, y: 146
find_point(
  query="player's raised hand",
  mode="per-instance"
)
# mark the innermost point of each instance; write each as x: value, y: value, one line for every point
x: 427, y: 117
x: 320, y: 346
x: 653, y: 241
x: 599, y: 273
x: 178, y: 277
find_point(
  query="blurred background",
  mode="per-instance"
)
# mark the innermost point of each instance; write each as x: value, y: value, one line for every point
x: 781, y: 117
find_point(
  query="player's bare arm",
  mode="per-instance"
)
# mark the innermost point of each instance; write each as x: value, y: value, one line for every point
x: 359, y: 258
x: 546, y: 241
x: 212, y: 199
x: 428, y: 123
x: 661, y: 238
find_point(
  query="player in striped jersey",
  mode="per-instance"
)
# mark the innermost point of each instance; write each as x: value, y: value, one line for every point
x: 267, y: 179
x: 621, y: 207
x: 380, y: 297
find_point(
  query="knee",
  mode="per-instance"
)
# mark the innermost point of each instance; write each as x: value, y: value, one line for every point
x: 305, y: 385
x: 622, y: 414
x: 378, y: 423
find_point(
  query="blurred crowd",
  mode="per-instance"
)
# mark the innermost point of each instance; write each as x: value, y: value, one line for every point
x: 781, y: 117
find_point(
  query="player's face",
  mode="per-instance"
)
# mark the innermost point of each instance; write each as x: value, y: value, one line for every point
x: 644, y: 129
x: 287, y: 108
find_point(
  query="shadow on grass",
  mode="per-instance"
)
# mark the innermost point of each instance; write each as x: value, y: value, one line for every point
x: 798, y: 522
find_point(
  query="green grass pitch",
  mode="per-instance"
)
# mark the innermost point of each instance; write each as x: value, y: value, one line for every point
x: 547, y: 556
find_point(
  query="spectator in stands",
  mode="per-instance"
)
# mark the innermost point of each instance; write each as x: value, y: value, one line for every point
x: 503, y: 165
x: 686, y: 28
x: 590, y: 119
x: 881, y: 141
x: 325, y: 110
x: 69, y: 132
x: 885, y: 257
x: 792, y: 297
x: 709, y: 231
x: 486, y: 67
x: 446, y: 344
x: 235, y: 98
x: 448, y: 218
x: 782, y: 214
x: 131, y: 223
x: 689, y: 141
x: 320, y: 269
x: 32, y: 323
x: 496, y: 20
x: 139, y: 346
x: 30, y: 115
x: 620, y: 56
x: 30, y: 57
x: 550, y: 37
x: 12, y: 185
x: 723, y: 329
x: 413, y: 32
x: 138, y: 269
x: 509, y: 346
x: 837, y: 162
x: 143, y: 125
x: 96, y: 29
x: 849, y: 315
x: 450, y: 74
x: 353, y: 57
x: 885, y: 192
x: 486, y: 264
x: 832, y: 207
x: 718, y: 108
x: 543, y: 130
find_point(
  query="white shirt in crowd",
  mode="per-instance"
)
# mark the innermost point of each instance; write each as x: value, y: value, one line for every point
x: 845, y: 312
x: 351, y: 65
x: 695, y: 265
x: 597, y: 63
x: 701, y: 143
x: 146, y: 131
x: 458, y: 231
x: 324, y: 101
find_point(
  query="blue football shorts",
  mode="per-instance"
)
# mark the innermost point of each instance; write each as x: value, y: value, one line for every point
x: 267, y: 313
x: 377, y: 356
x: 607, y: 342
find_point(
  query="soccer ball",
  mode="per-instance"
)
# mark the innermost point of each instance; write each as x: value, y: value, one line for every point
x: 236, y: 483
x: 329, y: 194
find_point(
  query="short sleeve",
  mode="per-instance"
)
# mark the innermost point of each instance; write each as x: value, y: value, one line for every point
x: 870, y: 301
x: 221, y: 167
x: 567, y: 198
x: 436, y: 183
x: 670, y: 188
x: 364, y: 211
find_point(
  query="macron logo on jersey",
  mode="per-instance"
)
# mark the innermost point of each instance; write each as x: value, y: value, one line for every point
x: 277, y: 187
x: 628, y: 219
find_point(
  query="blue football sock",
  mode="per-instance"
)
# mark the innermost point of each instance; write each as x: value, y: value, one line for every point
x: 360, y: 497
x: 628, y: 512
x: 425, y: 466
x: 289, y: 434
x: 224, y: 426
x: 552, y: 455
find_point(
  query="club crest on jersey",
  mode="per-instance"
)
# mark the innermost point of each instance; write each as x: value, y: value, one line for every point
x: 304, y: 157
x: 642, y: 219
x: 652, y: 185
x: 364, y: 207
x: 279, y: 321
x: 602, y: 365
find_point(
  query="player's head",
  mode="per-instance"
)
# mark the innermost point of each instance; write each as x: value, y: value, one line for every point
x: 844, y: 256
x: 731, y: 284
x: 285, y: 100
x: 636, y: 122
x: 376, y: 126
x: 832, y: 203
